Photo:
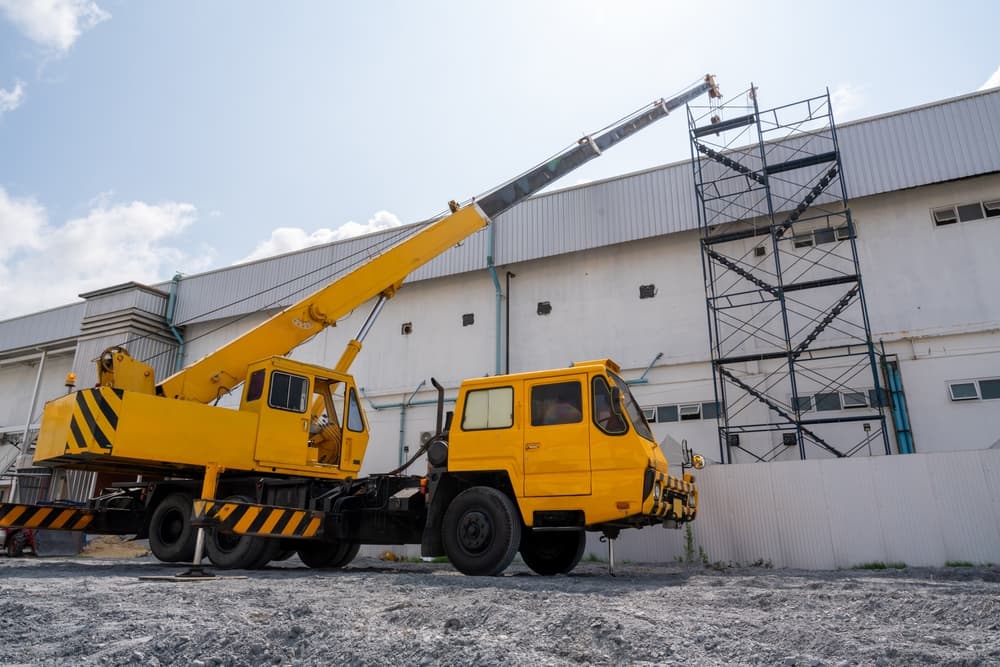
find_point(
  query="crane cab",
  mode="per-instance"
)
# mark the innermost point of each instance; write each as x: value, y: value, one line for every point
x: 307, y: 416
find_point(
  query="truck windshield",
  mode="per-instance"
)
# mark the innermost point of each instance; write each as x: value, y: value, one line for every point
x: 632, y: 408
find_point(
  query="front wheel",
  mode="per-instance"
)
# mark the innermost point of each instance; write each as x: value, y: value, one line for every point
x: 556, y: 552
x: 231, y: 551
x: 481, y: 531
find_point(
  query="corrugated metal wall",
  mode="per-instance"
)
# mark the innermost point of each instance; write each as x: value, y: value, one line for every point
x: 38, y: 329
x: 920, y: 509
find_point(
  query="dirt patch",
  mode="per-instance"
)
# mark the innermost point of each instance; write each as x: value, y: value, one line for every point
x: 99, y: 612
x: 114, y: 546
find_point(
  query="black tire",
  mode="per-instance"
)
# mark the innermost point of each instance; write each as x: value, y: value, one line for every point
x: 549, y: 553
x: 229, y: 551
x: 272, y: 547
x: 328, y: 555
x: 171, y: 536
x: 15, y: 544
x: 481, y: 531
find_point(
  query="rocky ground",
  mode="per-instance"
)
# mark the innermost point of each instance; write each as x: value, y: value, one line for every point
x: 98, y: 610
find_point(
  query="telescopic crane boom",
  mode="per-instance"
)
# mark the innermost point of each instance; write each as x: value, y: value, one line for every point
x: 205, y: 380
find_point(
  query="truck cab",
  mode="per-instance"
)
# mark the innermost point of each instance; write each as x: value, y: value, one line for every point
x: 569, y: 449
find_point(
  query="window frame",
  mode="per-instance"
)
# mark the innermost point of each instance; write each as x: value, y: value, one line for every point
x: 306, y: 394
x: 976, y: 384
x: 465, y: 409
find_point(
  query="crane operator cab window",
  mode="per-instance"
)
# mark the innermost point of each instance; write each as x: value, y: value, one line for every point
x: 288, y: 392
x: 326, y: 432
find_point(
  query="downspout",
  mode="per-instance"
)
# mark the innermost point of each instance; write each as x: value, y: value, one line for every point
x: 507, y: 337
x: 642, y: 378
x: 496, y: 286
x: 179, y: 364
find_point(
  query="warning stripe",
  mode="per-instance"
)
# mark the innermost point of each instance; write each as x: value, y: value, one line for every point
x: 44, y: 516
x: 94, y: 419
x: 248, y: 519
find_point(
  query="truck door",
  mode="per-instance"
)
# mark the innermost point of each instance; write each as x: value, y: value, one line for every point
x: 283, y: 430
x: 557, y: 437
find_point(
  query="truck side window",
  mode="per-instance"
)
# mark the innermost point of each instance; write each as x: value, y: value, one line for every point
x: 608, y: 420
x: 288, y: 392
x: 354, y: 421
x: 255, y: 385
x: 488, y: 409
x: 560, y: 403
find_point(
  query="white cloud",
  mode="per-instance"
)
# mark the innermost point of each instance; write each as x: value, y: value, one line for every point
x: 287, y: 239
x: 56, y: 24
x: 44, y: 265
x: 11, y: 99
x: 846, y: 99
x: 992, y: 82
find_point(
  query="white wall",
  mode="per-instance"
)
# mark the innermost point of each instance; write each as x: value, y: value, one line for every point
x: 17, y: 381
x: 921, y: 510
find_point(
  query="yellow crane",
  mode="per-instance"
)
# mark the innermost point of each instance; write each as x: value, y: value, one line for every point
x: 528, y: 463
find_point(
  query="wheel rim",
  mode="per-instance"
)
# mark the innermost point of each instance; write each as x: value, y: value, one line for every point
x: 475, y: 531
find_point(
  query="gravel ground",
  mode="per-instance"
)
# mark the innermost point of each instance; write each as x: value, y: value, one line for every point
x: 97, y: 611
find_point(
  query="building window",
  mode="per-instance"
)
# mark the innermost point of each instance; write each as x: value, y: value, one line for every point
x: 944, y: 216
x: 488, y: 409
x: 854, y: 399
x: 986, y: 389
x: 963, y: 391
x: 803, y: 240
x: 977, y: 210
x: 969, y: 212
x: 826, y: 402
x: 666, y: 413
x: 804, y: 403
x: 684, y: 412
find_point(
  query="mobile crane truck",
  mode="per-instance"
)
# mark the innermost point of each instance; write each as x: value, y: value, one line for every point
x: 510, y: 470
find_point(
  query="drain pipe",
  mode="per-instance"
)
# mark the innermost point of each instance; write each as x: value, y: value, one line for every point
x: 507, y: 337
x: 410, y: 403
x: 496, y: 286
x: 642, y: 378
x: 171, y: 302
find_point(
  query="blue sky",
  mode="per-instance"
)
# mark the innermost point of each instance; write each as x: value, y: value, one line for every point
x: 143, y: 138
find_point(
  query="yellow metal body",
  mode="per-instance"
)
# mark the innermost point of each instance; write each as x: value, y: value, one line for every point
x: 575, y: 466
x: 131, y: 431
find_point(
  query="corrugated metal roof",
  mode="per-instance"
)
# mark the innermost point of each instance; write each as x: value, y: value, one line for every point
x: 46, y: 328
x: 942, y: 141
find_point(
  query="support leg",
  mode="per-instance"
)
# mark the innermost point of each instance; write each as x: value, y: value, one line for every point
x: 208, y: 489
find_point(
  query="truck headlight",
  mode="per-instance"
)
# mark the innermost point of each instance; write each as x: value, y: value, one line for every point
x: 656, y: 491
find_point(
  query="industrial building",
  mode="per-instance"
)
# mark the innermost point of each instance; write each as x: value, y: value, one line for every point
x: 615, y: 269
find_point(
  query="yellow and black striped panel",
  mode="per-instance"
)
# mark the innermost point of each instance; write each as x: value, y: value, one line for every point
x: 672, y: 488
x: 246, y: 519
x: 44, y: 516
x: 95, y: 420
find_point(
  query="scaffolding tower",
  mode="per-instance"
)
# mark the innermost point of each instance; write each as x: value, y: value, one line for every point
x: 795, y: 369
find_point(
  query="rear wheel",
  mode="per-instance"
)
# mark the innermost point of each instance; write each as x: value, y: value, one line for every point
x: 229, y: 551
x: 549, y: 553
x: 328, y: 555
x: 171, y: 536
x: 481, y: 531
